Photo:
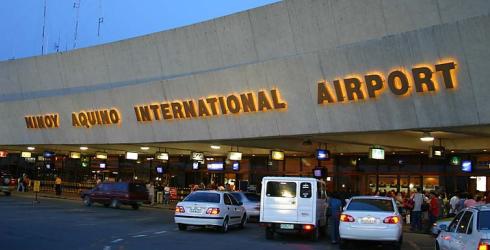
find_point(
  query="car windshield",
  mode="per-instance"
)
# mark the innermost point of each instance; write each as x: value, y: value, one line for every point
x: 137, y: 187
x: 484, y: 220
x: 252, y: 197
x: 203, y: 197
x: 376, y: 205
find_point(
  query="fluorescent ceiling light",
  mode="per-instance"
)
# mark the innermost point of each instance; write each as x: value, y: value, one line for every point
x: 145, y: 148
x: 31, y: 148
x: 215, y: 147
x: 427, y: 137
x: 83, y: 148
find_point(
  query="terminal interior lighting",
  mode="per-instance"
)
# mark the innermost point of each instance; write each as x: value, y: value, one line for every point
x: 31, y: 148
x: 83, y: 148
x: 427, y: 137
x: 145, y: 148
x: 215, y: 147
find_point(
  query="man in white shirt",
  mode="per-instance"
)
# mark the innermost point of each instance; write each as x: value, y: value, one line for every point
x: 453, y: 202
x: 416, y: 214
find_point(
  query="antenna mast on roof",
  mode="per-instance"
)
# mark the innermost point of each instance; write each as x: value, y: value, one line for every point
x: 76, y: 5
x: 101, y: 18
x: 44, y: 27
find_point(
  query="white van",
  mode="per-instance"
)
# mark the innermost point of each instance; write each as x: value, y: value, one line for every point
x: 293, y: 205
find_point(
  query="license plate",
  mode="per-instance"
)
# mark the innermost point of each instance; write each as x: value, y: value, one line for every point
x: 368, y: 220
x: 286, y: 226
x: 195, y: 210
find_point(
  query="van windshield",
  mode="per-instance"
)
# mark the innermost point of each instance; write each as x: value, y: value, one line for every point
x: 375, y: 205
x: 281, y: 189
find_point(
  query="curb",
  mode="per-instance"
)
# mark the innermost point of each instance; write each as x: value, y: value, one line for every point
x: 41, y: 195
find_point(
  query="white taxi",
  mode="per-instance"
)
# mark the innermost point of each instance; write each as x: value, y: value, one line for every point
x: 210, y: 208
x: 371, y: 218
x: 470, y: 229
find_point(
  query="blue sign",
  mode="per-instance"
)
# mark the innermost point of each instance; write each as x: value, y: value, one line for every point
x: 236, y: 166
x: 466, y: 166
x: 322, y: 154
x: 48, y: 154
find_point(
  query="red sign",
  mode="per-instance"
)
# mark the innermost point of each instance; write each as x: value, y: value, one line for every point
x: 3, y: 154
x: 173, y: 193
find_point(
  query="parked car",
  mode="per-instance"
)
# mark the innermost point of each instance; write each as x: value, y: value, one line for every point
x: 7, y: 183
x: 115, y: 194
x: 251, y: 203
x: 210, y: 208
x: 436, y: 227
x: 295, y: 205
x: 371, y: 218
x: 470, y: 229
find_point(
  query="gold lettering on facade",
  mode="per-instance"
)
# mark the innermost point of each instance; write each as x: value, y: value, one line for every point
x: 248, y: 102
x: 42, y: 121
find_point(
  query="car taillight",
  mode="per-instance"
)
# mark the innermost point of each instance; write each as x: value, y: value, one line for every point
x: 484, y: 245
x: 179, y: 209
x: 391, y: 220
x: 212, y: 211
x: 308, y: 227
x: 346, y: 218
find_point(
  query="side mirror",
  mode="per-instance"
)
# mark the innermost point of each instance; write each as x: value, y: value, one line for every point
x: 443, y: 227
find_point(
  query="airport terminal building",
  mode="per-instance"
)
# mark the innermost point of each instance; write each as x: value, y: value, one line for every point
x: 346, y: 87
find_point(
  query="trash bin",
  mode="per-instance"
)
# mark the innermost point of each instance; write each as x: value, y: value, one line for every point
x: 159, y: 197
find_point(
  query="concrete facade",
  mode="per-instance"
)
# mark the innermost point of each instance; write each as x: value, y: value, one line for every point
x: 290, y: 46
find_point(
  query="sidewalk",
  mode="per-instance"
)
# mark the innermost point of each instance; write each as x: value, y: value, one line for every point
x: 75, y: 197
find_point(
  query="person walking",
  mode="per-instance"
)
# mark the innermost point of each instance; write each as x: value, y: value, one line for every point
x: 57, y: 185
x: 416, y: 215
x: 335, y: 208
x: 166, y: 195
x: 20, y: 184
x: 151, y: 193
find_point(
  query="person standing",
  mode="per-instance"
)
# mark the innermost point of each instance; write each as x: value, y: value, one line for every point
x: 416, y: 215
x: 57, y: 185
x: 166, y: 195
x: 469, y: 202
x: 335, y: 208
x: 453, y: 203
x: 434, y: 209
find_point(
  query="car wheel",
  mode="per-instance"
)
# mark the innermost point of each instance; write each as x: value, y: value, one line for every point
x: 344, y: 244
x: 323, y: 230
x: 398, y: 244
x: 115, y: 204
x: 224, y: 228
x: 182, y: 227
x: 269, y: 234
x: 135, y: 206
x: 87, y: 201
x: 315, y: 235
x: 244, y: 220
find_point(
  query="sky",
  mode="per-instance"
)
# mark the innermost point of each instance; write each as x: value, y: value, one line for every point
x: 23, y: 21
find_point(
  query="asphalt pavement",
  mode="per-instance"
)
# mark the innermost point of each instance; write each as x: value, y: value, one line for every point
x: 67, y: 224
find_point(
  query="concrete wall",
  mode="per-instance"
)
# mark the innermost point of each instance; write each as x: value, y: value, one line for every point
x: 289, y: 45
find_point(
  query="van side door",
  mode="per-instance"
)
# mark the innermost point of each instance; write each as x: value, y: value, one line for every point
x: 306, y: 201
